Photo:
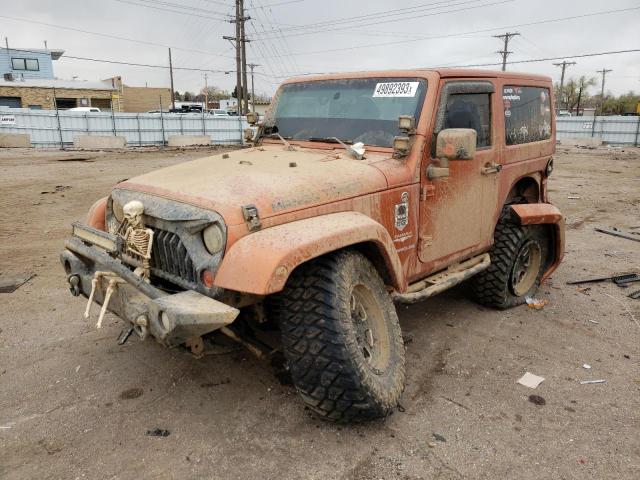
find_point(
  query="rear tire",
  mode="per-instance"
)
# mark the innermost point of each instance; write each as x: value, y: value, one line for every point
x: 342, y: 338
x: 517, y: 264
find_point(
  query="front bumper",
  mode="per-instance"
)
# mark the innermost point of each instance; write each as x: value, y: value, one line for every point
x: 171, y: 319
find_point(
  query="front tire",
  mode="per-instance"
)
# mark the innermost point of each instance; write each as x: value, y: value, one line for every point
x: 517, y: 264
x: 342, y: 338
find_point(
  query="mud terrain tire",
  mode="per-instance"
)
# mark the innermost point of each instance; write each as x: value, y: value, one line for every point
x: 498, y: 285
x: 342, y: 338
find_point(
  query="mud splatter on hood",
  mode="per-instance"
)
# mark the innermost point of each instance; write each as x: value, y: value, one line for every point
x: 273, y: 179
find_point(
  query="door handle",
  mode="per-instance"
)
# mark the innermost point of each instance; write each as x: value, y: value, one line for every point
x: 490, y: 168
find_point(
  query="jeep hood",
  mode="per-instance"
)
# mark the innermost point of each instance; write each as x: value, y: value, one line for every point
x: 272, y: 178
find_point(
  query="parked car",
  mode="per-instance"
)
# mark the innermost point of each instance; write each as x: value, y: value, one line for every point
x: 83, y: 109
x: 360, y: 190
x: 218, y: 112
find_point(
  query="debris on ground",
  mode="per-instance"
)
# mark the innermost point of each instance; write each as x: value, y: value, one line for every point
x: 594, y: 321
x: 574, y: 197
x: 591, y: 382
x: 530, y: 380
x: 74, y: 159
x: 11, y: 284
x: 584, y: 290
x: 586, y: 366
x: 158, y: 432
x: 618, y: 233
x: 536, y: 303
x: 635, y: 295
x: 131, y: 393
x: 617, y: 279
x: 58, y: 189
x: 439, y: 438
x: 537, y: 400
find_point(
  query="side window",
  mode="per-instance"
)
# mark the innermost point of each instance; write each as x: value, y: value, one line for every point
x: 470, y: 110
x: 527, y: 114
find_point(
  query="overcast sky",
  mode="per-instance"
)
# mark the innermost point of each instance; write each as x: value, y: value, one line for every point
x: 301, y: 36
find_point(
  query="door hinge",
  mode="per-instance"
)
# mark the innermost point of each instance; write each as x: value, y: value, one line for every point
x: 427, y: 191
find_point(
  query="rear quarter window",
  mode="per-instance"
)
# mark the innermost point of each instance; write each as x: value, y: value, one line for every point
x: 527, y: 114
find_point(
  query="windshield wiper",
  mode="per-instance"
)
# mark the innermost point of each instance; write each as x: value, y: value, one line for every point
x: 287, y: 145
x: 329, y: 140
x: 356, y: 150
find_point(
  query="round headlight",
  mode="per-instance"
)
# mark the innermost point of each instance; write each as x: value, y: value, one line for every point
x: 213, y: 238
x: 116, y: 208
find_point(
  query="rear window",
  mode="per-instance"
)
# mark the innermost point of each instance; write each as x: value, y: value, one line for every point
x: 527, y: 114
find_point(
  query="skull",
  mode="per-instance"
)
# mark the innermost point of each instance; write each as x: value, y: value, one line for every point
x: 133, y: 211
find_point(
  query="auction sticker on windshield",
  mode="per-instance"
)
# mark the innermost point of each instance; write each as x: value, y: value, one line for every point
x: 396, y: 89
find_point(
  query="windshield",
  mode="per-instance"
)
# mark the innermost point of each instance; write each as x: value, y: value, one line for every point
x: 354, y: 110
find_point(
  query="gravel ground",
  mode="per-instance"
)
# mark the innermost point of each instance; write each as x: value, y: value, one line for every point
x: 74, y: 404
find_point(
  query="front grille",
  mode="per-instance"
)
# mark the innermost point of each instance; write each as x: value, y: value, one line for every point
x: 170, y: 258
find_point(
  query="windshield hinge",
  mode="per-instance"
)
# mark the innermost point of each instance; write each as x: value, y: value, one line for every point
x: 427, y: 191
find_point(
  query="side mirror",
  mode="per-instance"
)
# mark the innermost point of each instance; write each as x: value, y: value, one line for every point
x: 456, y: 144
x: 252, y: 118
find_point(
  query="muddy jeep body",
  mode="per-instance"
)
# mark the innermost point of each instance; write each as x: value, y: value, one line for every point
x: 416, y: 222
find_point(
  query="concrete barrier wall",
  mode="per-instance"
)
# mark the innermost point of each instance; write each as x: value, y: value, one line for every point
x: 15, y: 140
x: 188, y: 140
x: 92, y: 142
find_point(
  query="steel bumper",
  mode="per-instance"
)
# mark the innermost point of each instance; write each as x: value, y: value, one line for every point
x: 171, y: 319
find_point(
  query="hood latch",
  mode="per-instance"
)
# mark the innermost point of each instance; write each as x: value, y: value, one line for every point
x: 251, y: 217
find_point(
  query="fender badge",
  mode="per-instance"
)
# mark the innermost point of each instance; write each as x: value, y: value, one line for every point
x: 402, y: 212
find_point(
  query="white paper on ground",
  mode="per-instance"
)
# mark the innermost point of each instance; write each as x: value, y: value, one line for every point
x: 530, y: 380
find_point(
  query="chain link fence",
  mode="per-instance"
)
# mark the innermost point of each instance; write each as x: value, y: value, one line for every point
x: 51, y: 128
x: 615, y: 130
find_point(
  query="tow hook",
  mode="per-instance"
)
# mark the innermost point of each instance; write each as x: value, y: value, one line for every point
x: 74, y: 285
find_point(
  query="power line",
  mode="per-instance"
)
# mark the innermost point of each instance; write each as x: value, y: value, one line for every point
x: 548, y: 59
x: 505, y: 52
x: 387, y: 16
x: 116, y: 37
x: 485, y: 30
x: 277, y: 4
x: 191, y: 11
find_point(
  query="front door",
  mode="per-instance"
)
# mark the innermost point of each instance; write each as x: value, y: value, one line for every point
x: 453, y: 210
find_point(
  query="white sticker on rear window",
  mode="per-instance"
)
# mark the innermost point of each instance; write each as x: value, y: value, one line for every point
x: 396, y: 89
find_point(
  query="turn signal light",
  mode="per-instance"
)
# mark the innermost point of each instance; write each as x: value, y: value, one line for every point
x: 207, y: 278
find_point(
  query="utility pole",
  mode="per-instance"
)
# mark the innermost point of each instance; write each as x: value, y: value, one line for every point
x: 505, y: 53
x: 253, y: 92
x: 241, y: 62
x: 235, y: 41
x: 206, y: 94
x: 604, y: 72
x: 243, y: 41
x: 564, y: 65
x: 173, y: 98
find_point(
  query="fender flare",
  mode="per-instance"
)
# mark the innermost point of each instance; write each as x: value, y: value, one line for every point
x: 543, y: 214
x: 261, y: 262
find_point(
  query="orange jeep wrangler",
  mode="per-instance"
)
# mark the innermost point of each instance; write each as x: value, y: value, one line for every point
x: 357, y: 191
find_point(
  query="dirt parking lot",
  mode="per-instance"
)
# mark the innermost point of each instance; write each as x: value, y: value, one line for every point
x: 74, y: 404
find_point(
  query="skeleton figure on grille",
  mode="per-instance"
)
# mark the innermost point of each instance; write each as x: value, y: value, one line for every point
x: 138, y: 239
